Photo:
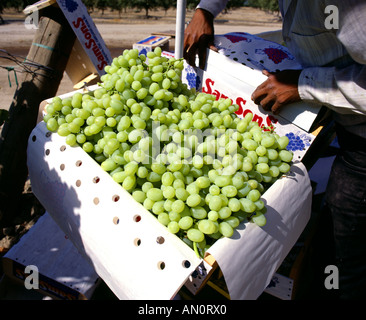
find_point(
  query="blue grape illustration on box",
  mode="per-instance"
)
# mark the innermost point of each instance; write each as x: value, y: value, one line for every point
x: 70, y: 5
x: 297, y: 142
x: 193, y: 79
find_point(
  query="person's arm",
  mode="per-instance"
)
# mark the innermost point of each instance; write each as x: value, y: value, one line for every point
x: 199, y: 34
x: 340, y: 89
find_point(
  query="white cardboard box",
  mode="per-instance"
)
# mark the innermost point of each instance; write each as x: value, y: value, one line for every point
x: 131, y: 251
x: 225, y: 78
x: 63, y: 273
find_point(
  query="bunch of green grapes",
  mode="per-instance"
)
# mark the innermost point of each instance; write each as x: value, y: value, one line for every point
x: 185, y: 156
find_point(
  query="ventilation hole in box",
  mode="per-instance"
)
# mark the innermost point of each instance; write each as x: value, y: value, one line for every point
x: 62, y: 148
x: 161, y: 265
x: 137, y: 242
x: 34, y: 138
x: 47, y: 152
x: 160, y: 240
x: 62, y: 167
x: 48, y: 134
x: 96, y: 200
x: 115, y: 198
x: 96, y: 179
x: 78, y: 183
x: 137, y: 218
x: 186, y: 264
x: 116, y: 220
x: 78, y: 163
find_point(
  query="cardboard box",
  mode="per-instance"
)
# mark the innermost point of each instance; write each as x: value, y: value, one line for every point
x: 225, y: 78
x: 135, y: 255
x: 90, y: 54
x: 151, y: 42
x: 63, y: 273
x: 131, y: 251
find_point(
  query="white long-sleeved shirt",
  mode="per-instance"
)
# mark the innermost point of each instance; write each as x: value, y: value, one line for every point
x: 334, y: 60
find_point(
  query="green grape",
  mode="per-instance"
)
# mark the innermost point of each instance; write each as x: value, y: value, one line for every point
x: 253, y: 195
x: 282, y: 142
x: 169, y: 192
x: 178, y: 206
x: 108, y: 165
x: 203, y: 182
x: 71, y: 139
x: 262, y: 167
x: 199, y: 212
x: 224, y: 212
x: 180, y: 192
x: 185, y: 222
x: 173, y: 226
x: 260, y: 220
x: 129, y: 182
x: 158, y: 207
x: 250, y: 144
x: 215, y: 203
x: 88, y: 147
x: 226, y: 229
x: 131, y: 168
x: 174, y: 216
x: 222, y: 181
x: 285, y: 155
x: 229, y: 191
x: 232, y: 221
x: 167, y: 179
x: 52, y: 124
x: 193, y: 200
x: 155, y: 194
x: 274, y: 171
x: 234, y: 204
x: 119, y: 177
x: 195, y: 235
x: 206, y: 226
x: 284, y: 167
x: 247, y: 205
x: 80, y: 138
x: 272, y: 154
x: 213, y: 215
x: 163, y: 218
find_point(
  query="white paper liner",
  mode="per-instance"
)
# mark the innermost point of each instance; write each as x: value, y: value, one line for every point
x: 249, y: 259
x: 127, y: 255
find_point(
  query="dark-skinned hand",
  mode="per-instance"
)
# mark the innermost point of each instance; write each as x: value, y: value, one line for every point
x: 280, y: 89
x: 198, y: 36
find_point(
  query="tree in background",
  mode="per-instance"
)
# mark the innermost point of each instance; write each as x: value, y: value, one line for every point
x: 102, y: 5
x: 1, y: 18
x: 270, y: 5
x: 146, y: 5
x: 119, y: 5
x: 167, y: 4
x: 90, y: 5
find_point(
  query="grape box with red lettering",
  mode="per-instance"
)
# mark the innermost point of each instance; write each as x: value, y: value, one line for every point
x: 236, y: 71
x: 136, y: 255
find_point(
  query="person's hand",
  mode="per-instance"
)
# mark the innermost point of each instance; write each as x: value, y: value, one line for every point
x: 198, y: 36
x: 281, y: 88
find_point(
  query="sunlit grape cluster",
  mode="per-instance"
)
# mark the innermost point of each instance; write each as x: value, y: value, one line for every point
x: 185, y: 156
